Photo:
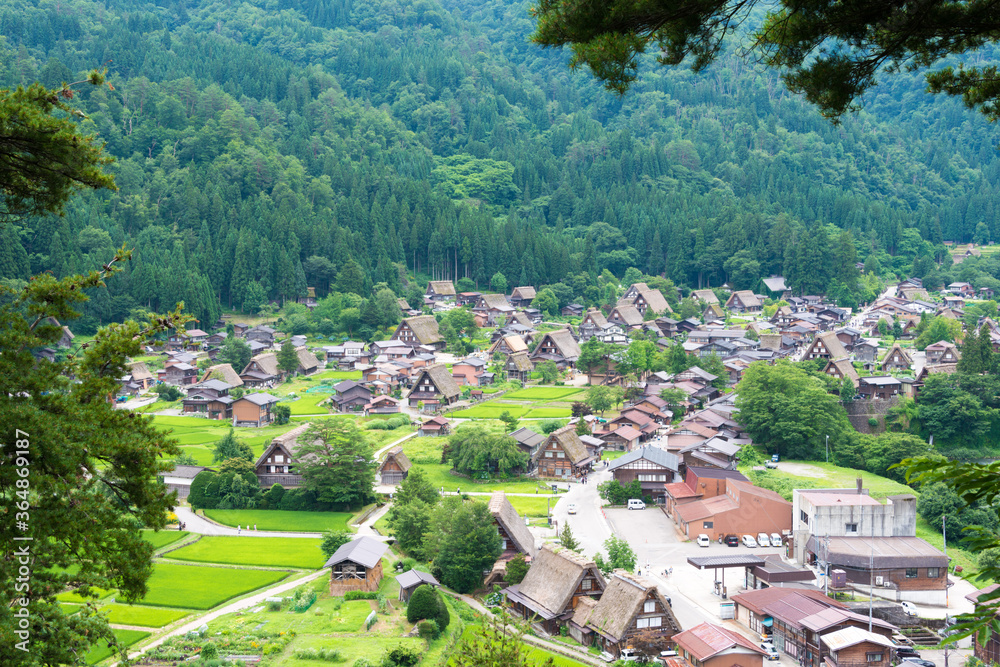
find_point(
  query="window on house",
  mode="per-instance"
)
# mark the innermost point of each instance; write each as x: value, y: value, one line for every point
x: 933, y: 572
x: 911, y: 573
x: 279, y: 458
x: 851, y: 528
x: 708, y: 524
x: 560, y: 455
x: 803, y: 516
x: 548, y: 455
x: 656, y: 621
x: 649, y: 606
x: 873, y: 657
x: 587, y: 583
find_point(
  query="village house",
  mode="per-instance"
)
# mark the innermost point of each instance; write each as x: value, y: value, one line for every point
x: 276, y: 465
x: 856, y: 647
x: 710, y: 645
x: 704, y: 296
x: 308, y: 363
x: 210, y: 398
x: 180, y: 374
x: 262, y: 334
x: 865, y: 352
x: 628, y: 606
x: 262, y: 371
x: 514, y: 535
x: 777, y: 288
x: 435, y: 426
x: 527, y: 440
x: 941, y: 352
x: 518, y: 367
x: 553, y: 587
x: 223, y: 372
x: 626, y: 316
x: 254, y: 410
x: 962, y: 289
x: 558, y: 346
x: 508, y: 345
x: 356, y: 566
x: 410, y: 580
x: 180, y: 478
x: 742, y: 509
x: 826, y: 345
x: 350, y: 396
x: 896, y: 360
x: 492, y: 308
x: 652, y: 466
x: 434, y: 387
x: 714, y: 452
x: 472, y: 372
x: 593, y: 322
x: 879, y: 387
x: 571, y: 310
x: 382, y: 405
x: 394, y: 467
x: 421, y: 330
x: 744, y: 301
x: 468, y: 299
x: 138, y: 373
x: 644, y: 298
x: 522, y: 297
x: 439, y: 291
x: 562, y: 455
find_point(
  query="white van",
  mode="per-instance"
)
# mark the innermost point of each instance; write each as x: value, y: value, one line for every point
x: 636, y: 504
x: 703, y: 540
x: 763, y: 540
x: 749, y: 541
x: 775, y: 540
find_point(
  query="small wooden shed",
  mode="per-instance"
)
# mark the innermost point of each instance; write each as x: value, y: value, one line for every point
x: 410, y: 580
x: 356, y: 566
x: 395, y: 467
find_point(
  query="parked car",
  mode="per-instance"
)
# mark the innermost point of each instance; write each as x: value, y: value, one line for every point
x: 703, y: 540
x: 631, y: 655
x: 917, y: 661
x: 908, y: 608
x: 903, y: 651
x: 636, y: 504
x: 763, y: 540
x: 775, y: 540
x: 771, y: 465
x: 774, y: 458
x: 732, y: 541
x: 772, y: 653
x: 571, y: 508
x: 749, y: 541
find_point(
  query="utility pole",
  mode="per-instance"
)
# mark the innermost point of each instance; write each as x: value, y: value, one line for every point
x: 827, y: 449
x: 826, y: 561
x: 944, y: 533
x: 871, y: 571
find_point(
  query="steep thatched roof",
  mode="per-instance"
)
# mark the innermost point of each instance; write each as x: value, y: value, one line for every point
x: 441, y: 377
x: 570, y: 443
x: 515, y: 343
x: 563, y: 341
x: 903, y: 355
x: 653, y: 297
x: 746, y: 297
x: 441, y: 287
x: 267, y: 363
x: 522, y: 319
x: 225, y: 373
x: 401, y: 460
x: 845, y: 367
x: 832, y: 344
x: 597, y: 317
x: 627, y: 313
x: 507, y: 516
x: 705, y: 296
x: 307, y: 360
x: 554, y: 576
x: 139, y: 371
x: 525, y: 293
x: 494, y: 301
x: 521, y: 361
x: 288, y: 441
x: 622, y: 600
x: 425, y: 328
x: 584, y: 607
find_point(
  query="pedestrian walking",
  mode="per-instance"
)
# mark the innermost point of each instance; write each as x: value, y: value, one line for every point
x: 239, y: 531
x: 255, y: 528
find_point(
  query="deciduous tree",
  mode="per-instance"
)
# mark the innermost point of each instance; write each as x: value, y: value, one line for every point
x: 336, y: 463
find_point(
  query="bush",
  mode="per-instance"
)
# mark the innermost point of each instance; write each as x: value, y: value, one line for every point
x: 401, y: 656
x: 873, y: 421
x: 168, y: 392
x: 273, y: 495
x: 423, y: 604
x: 550, y: 425
x: 360, y: 595
x: 274, y: 605
x: 209, y: 652
x: 324, y: 654
x: 427, y: 629
x: 363, y: 662
x: 408, y: 564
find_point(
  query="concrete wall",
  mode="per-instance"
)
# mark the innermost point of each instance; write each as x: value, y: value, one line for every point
x: 896, y: 517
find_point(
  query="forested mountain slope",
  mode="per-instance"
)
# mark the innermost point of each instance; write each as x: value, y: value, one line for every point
x: 264, y: 145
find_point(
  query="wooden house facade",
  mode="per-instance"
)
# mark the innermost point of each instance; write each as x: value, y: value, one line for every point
x: 563, y: 454
x: 629, y: 605
x: 277, y: 464
x: 394, y: 467
x: 356, y: 566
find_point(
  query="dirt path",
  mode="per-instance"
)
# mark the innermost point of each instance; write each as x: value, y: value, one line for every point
x: 802, y: 470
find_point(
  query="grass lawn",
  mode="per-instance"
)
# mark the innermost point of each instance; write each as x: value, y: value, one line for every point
x: 490, y: 411
x: 438, y: 475
x: 612, y: 454
x: 156, y: 406
x: 548, y: 413
x: 536, y: 655
x: 306, y: 522
x: 424, y: 449
x: 543, y: 393
x: 73, y: 598
x: 365, y: 646
x: 150, y: 617
x: 246, y: 550
x: 197, y: 435
x: 309, y: 404
x: 197, y: 587
x: 351, y: 616
x: 827, y: 475
x: 337, y: 375
x: 100, y: 651
x: 164, y: 537
x: 534, y: 506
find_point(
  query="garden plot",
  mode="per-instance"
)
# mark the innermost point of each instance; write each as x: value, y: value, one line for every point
x: 100, y: 651
x: 543, y: 393
x: 149, y: 617
x: 302, y: 553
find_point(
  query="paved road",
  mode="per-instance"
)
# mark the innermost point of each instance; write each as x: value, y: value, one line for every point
x: 196, y: 524
x: 588, y: 525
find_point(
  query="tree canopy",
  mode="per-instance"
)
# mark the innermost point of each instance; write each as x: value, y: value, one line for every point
x: 832, y: 52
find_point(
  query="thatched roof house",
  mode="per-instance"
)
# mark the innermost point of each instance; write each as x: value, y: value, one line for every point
x: 224, y: 372
x: 558, y: 346
x: 557, y: 581
x: 395, y: 467
x: 629, y: 604
x: 563, y: 454
x: 896, y: 359
x: 434, y: 387
x: 420, y: 330
x: 516, y: 536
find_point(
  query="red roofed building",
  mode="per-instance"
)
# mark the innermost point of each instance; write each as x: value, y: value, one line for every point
x: 744, y: 509
x: 710, y: 645
x: 699, y: 483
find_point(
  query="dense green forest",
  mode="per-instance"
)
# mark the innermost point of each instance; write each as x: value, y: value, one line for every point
x: 269, y: 145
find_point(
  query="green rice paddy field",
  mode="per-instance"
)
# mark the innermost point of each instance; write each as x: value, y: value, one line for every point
x: 306, y: 522
x: 100, y: 651
x: 160, y: 539
x: 198, y: 587
x: 301, y: 553
x: 150, y: 617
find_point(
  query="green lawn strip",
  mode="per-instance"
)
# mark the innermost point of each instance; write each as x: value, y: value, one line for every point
x: 836, y: 477
x: 424, y: 449
x: 438, y: 475
x: 196, y: 587
x: 338, y: 375
x: 370, y: 647
x: 281, y: 520
x: 543, y: 393
x: 308, y: 404
x: 100, y: 650
x: 493, y: 410
x: 156, y: 406
x: 612, y: 454
x: 150, y: 617
x: 69, y: 609
x: 536, y: 506
x: 160, y: 539
x: 548, y: 413
x: 257, y: 551
x: 74, y: 598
